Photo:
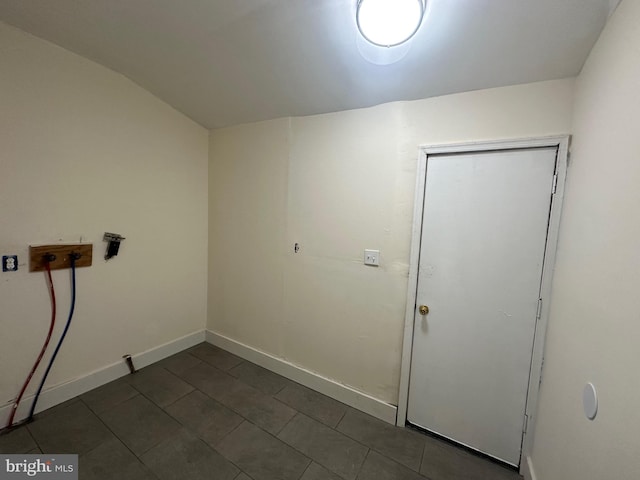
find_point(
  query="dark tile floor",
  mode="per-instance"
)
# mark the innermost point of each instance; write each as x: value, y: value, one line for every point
x: 207, y: 414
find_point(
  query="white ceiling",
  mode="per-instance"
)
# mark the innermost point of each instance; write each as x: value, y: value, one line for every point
x: 224, y: 62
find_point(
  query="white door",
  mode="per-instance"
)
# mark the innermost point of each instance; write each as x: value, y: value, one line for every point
x: 484, y: 232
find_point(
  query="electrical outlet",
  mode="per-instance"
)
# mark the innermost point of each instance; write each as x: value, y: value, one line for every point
x: 9, y: 263
x: 372, y: 257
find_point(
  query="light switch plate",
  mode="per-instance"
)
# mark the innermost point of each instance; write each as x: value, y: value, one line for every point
x: 372, y: 257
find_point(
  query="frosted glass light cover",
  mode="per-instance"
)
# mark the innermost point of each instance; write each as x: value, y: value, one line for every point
x: 388, y: 23
x: 590, y: 401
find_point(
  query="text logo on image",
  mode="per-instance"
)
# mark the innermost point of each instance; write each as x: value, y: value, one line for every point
x: 51, y: 467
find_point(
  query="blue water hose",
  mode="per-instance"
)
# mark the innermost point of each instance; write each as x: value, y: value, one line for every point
x: 73, y: 258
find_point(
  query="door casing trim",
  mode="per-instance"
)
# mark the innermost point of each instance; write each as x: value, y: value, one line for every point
x: 535, y: 375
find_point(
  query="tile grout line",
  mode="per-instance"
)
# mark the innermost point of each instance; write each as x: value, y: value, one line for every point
x: 142, y: 394
x: 305, y: 470
x: 33, y: 438
x: 283, y: 387
x: 163, y: 408
x: 318, y: 462
x: 242, y: 360
x: 155, y: 405
x: 229, y: 433
x: 173, y: 375
x: 184, y: 427
x: 332, y: 400
x: 336, y: 431
x: 342, y: 418
x: 311, y: 460
x: 362, y: 465
x: 115, y: 404
x: 287, y: 422
x: 273, y: 396
x: 230, y: 407
x: 116, y: 437
x: 382, y: 453
x: 264, y: 431
x: 214, y: 449
x: 424, y: 449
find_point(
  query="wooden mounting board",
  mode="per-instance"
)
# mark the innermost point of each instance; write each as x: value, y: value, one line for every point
x: 62, y: 252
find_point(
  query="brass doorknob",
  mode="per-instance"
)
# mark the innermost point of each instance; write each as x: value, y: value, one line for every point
x: 423, y: 309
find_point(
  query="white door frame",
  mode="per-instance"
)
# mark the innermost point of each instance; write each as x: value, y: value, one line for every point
x: 535, y: 375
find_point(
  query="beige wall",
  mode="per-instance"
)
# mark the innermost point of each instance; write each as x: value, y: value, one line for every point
x: 594, y: 328
x: 83, y: 150
x: 247, y: 226
x: 337, y: 184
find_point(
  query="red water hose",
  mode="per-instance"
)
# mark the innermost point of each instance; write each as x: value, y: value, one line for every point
x: 44, y: 347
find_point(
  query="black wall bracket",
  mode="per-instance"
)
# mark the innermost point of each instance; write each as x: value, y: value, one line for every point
x: 113, y: 244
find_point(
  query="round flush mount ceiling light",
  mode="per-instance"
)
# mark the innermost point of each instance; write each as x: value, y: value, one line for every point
x: 389, y: 23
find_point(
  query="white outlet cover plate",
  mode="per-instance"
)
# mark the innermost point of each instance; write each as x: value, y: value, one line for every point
x: 9, y: 263
x: 372, y: 257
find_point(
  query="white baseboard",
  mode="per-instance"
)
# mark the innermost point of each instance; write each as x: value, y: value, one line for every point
x: 343, y: 393
x: 527, y: 470
x: 60, y: 393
